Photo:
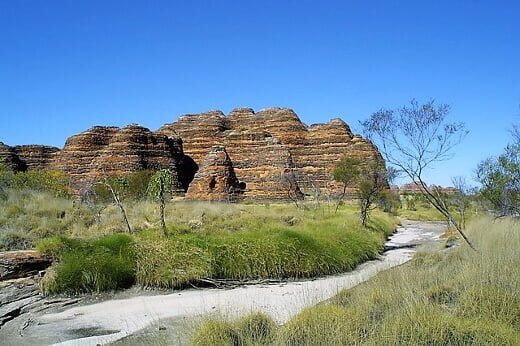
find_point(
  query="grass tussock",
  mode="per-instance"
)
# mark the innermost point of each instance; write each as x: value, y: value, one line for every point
x: 253, y: 329
x: 105, y: 263
x: 460, y: 298
x: 421, y: 214
x: 250, y: 242
x: 204, y: 240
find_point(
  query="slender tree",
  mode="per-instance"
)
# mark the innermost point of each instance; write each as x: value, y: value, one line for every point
x: 372, y: 184
x: 346, y: 172
x: 115, y: 186
x: 159, y: 187
x: 412, y: 139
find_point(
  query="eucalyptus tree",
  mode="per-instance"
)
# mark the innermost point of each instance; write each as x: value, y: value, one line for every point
x: 413, y: 138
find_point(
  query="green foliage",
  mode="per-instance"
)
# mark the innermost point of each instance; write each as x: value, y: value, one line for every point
x: 253, y: 329
x: 250, y: 246
x: 14, y: 240
x: 215, y: 240
x: 137, y: 183
x: 257, y: 328
x: 500, y: 181
x: 131, y: 186
x: 118, y: 184
x: 371, y: 185
x: 26, y: 216
x: 389, y: 201
x: 347, y: 170
x: 101, y: 264
x: 458, y: 298
x: 421, y: 214
x: 53, y: 182
x: 160, y: 184
x: 170, y: 262
x: 214, y: 332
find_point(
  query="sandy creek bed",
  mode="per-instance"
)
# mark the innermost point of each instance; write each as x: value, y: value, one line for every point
x: 104, y: 319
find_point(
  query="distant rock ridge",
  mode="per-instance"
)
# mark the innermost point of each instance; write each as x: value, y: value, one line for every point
x: 266, y: 144
x: 263, y: 148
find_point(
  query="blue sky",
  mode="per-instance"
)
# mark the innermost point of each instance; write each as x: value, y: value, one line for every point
x: 68, y: 65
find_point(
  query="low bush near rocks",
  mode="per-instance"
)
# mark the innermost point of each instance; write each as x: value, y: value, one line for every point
x: 96, y: 265
x: 253, y: 329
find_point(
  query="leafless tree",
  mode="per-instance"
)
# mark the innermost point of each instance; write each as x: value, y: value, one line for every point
x: 412, y: 139
x: 117, y: 200
x: 289, y: 183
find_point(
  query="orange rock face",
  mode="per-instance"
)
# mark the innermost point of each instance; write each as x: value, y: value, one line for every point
x: 36, y: 156
x: 9, y: 159
x: 263, y: 148
x: 216, y: 179
x: 266, y: 145
x: 110, y: 151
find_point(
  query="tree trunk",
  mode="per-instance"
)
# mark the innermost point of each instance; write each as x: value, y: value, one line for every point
x: 161, y: 207
x: 120, y: 206
x: 341, y: 198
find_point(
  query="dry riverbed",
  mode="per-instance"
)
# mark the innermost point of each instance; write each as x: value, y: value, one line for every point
x: 130, y: 316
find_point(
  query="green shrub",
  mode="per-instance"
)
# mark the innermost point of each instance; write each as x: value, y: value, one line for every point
x: 170, y: 262
x: 257, y: 328
x: 434, y: 327
x: 321, y: 325
x: 213, y: 332
x: 54, y: 182
x: 129, y: 186
x: 94, y: 265
x: 14, y: 240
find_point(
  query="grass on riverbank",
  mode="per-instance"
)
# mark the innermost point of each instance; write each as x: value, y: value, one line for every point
x: 216, y: 240
x: 461, y: 298
x: 421, y: 214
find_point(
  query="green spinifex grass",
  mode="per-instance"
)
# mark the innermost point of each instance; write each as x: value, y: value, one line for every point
x: 222, y: 241
x: 461, y: 298
x: 101, y: 264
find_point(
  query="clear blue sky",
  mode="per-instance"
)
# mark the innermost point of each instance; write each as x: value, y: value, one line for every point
x: 68, y: 65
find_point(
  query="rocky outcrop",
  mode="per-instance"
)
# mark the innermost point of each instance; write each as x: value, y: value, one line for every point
x: 9, y: 159
x: 111, y: 151
x: 22, y: 263
x: 268, y: 145
x: 272, y: 152
x: 36, y: 156
x: 216, y: 179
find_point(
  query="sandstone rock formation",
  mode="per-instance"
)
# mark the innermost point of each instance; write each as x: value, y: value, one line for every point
x: 267, y: 149
x: 266, y: 145
x: 36, y: 156
x: 21, y: 263
x: 111, y: 151
x: 9, y: 158
x: 216, y: 179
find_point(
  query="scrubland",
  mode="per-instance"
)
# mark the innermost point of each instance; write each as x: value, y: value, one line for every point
x: 204, y: 240
x: 458, y: 298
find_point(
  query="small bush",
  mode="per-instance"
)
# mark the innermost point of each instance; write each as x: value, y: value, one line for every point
x: 95, y: 265
x: 54, y: 182
x: 257, y: 328
x: 14, y: 240
x: 215, y: 332
x: 170, y: 262
x: 321, y: 325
